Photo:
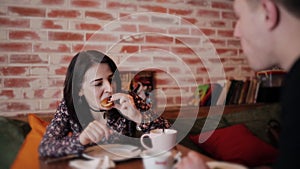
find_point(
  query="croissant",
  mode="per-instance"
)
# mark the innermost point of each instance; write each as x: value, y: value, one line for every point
x: 106, y: 103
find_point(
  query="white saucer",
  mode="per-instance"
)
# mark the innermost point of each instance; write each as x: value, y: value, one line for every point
x: 224, y: 165
x: 116, y: 152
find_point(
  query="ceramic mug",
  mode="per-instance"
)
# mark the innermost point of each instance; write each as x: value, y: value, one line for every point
x: 160, y: 140
x: 153, y: 159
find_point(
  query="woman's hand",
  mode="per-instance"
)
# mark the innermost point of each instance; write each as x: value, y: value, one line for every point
x: 192, y: 160
x: 94, y: 133
x: 127, y: 107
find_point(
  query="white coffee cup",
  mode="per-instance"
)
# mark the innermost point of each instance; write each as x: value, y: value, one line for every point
x: 157, y: 160
x: 161, y: 140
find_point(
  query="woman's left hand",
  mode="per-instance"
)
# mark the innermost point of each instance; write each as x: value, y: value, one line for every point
x: 127, y: 107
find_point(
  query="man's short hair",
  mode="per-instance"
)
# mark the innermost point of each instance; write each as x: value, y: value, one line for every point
x: 293, y: 6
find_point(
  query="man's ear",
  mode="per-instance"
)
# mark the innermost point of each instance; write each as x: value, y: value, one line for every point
x: 271, y: 13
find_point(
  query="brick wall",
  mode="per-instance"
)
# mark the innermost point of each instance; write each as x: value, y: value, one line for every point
x: 188, y: 42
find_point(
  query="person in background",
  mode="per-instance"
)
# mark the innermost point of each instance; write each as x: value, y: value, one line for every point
x: 80, y: 120
x: 269, y: 31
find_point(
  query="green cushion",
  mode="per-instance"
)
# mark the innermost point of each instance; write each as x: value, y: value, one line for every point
x: 12, y: 135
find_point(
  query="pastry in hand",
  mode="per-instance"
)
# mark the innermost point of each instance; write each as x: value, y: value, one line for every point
x: 107, y: 103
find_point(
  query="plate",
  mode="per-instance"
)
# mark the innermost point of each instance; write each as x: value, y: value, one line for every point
x: 116, y: 152
x: 224, y: 165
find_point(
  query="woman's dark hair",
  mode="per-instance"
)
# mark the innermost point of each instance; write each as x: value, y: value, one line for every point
x: 81, y: 62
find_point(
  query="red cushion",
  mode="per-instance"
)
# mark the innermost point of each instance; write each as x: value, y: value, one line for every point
x: 236, y: 144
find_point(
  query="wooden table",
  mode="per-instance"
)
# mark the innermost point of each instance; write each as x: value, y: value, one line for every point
x: 136, y: 162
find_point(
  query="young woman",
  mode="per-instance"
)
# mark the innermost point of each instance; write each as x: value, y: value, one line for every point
x: 80, y: 120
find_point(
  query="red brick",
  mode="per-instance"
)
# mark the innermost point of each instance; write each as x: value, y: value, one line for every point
x: 99, y: 15
x: 129, y: 49
x: 228, y: 15
x: 217, y: 24
x: 102, y: 37
x: 192, y: 60
x: 208, y: 32
x: 22, y: 11
x: 87, y: 26
x: 80, y: 47
x: 65, y: 36
x: 122, y: 6
x: 188, y: 40
x: 85, y: 3
x: 132, y: 39
x: 53, y: 2
x: 216, y: 60
x: 15, y: 46
x: 234, y: 43
x: 233, y: 61
x: 165, y: 81
x: 218, y: 42
x: 13, y: 71
x: 15, y: 106
x: 159, y: 39
x: 57, y: 94
x: 63, y: 13
x: 174, y: 69
x: 2, y: 13
x: 189, y: 20
x: 53, y: 105
x: 181, y: 11
x: 162, y: 19
x: 51, y: 47
x: 182, y: 50
x: 151, y: 8
x: 136, y: 59
x: 154, y: 47
x: 225, y: 33
x: 190, y: 80
x: 146, y: 28
x: 208, y: 13
x: 51, y: 24
x: 201, y: 70
x: 7, y: 94
x: 164, y: 59
x: 3, y: 59
x: 129, y: 17
x: 15, y: 23
x: 247, y: 70
x: 222, y: 5
x: 179, y: 30
x: 125, y: 28
x: 18, y: 82
x: 201, y: 3
x: 39, y: 94
x: 56, y: 82
x: 22, y: 35
x: 27, y: 58
x: 227, y: 52
x: 61, y: 71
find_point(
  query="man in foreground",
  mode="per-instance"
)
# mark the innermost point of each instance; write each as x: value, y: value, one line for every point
x: 269, y: 31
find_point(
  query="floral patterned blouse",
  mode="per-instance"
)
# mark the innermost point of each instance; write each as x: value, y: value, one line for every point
x: 62, y: 134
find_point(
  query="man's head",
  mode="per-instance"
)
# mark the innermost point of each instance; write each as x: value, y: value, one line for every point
x: 260, y: 24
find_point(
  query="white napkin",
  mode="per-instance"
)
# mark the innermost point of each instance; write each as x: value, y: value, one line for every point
x: 95, y: 163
